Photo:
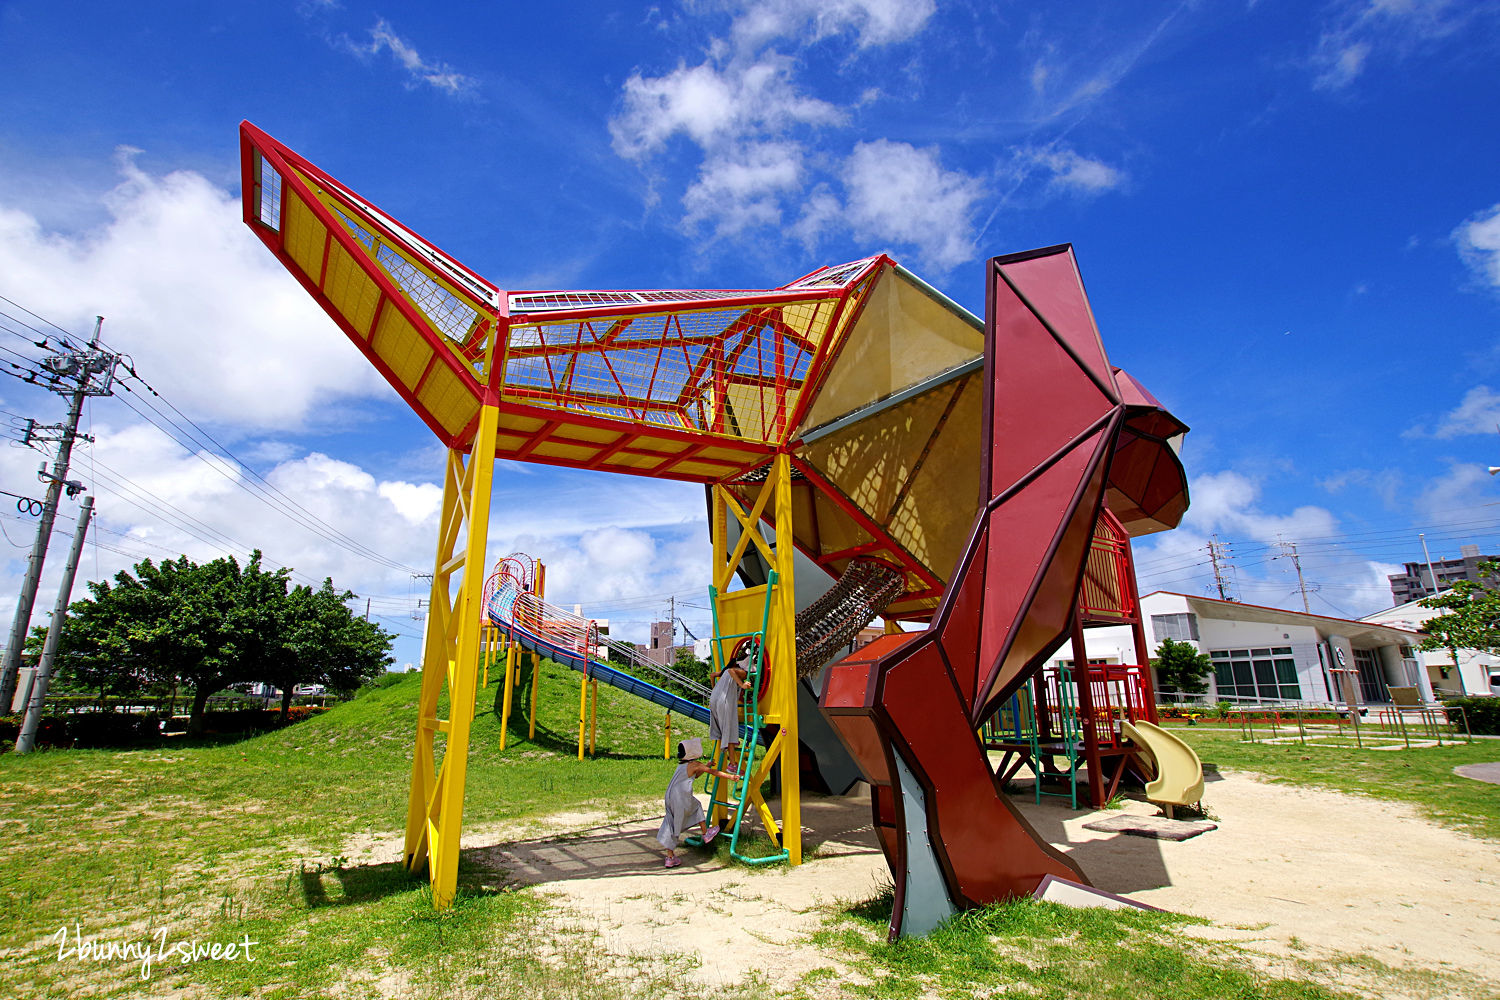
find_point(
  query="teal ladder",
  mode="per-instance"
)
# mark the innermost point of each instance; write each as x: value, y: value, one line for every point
x: 735, y: 795
x: 1068, y: 731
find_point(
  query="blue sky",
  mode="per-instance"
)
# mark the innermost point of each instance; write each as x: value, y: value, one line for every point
x: 1287, y: 215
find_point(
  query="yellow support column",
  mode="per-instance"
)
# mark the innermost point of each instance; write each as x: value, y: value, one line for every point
x: 666, y: 746
x: 509, y: 682
x: 536, y: 682
x: 593, y: 717
x: 583, y: 711
x: 451, y: 658
x: 783, y: 651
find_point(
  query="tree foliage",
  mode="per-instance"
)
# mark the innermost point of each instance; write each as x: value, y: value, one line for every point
x: 205, y: 627
x: 1181, y: 667
x: 1471, y: 618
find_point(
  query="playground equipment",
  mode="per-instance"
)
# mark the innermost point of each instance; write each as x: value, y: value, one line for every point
x: 941, y: 467
x: 1178, y: 773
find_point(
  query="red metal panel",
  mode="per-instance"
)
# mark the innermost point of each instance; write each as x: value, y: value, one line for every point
x: 1047, y: 398
x: 987, y: 849
x: 1024, y: 531
x: 964, y: 616
x: 1051, y: 284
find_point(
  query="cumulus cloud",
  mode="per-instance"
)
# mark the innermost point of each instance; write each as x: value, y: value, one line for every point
x: 209, y: 316
x: 712, y: 104
x: 1228, y: 505
x: 898, y: 193
x: 746, y: 115
x: 419, y: 71
x: 741, y: 188
x: 1478, y: 242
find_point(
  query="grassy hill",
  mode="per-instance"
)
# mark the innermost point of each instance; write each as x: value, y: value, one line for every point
x: 248, y: 834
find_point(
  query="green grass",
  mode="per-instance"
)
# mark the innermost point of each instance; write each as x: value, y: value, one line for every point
x: 248, y: 836
x: 1422, y: 778
x: 220, y: 840
x: 1049, y: 952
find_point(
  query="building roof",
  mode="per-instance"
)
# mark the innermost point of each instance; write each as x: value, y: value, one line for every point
x: 1210, y: 607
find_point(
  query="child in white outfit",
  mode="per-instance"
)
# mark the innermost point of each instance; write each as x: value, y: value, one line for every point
x: 683, y: 809
x: 724, y: 706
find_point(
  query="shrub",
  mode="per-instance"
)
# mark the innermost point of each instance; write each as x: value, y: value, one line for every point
x: 112, y: 729
x: 52, y: 731
x: 1483, y: 712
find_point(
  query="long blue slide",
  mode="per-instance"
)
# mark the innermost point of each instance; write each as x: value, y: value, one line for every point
x: 599, y: 670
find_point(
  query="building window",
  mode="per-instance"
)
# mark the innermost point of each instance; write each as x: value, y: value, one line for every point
x: 1266, y: 674
x: 1180, y: 627
x: 1371, y: 679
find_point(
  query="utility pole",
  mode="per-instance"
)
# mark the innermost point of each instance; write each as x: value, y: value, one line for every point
x: 78, y: 375
x: 1301, y: 585
x: 1219, y: 550
x: 26, y: 740
x: 1431, y: 573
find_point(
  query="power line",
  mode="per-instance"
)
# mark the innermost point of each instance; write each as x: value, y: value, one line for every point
x: 261, y: 488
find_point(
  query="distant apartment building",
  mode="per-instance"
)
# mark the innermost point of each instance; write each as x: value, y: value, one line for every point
x: 661, y: 650
x: 1417, y: 583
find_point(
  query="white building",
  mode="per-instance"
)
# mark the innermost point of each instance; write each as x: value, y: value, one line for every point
x: 1267, y: 654
x: 1472, y: 676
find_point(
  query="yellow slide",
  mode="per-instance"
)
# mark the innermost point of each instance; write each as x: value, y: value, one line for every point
x: 1179, y: 772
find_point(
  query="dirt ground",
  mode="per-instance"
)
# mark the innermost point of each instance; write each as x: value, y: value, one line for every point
x: 1288, y: 871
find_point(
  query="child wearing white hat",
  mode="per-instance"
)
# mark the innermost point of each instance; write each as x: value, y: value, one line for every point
x: 683, y: 809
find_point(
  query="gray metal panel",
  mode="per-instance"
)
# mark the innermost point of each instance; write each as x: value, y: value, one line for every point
x: 925, y: 903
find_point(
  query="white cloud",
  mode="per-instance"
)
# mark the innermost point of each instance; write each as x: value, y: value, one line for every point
x: 1477, y: 413
x: 744, y: 108
x: 208, y: 314
x: 1068, y: 170
x: 714, y: 105
x: 418, y: 70
x: 1361, y: 31
x: 872, y: 22
x: 1454, y: 495
x: 1383, y: 483
x: 742, y: 188
x: 1479, y: 244
x: 1228, y: 505
x: 417, y: 502
x: 901, y: 194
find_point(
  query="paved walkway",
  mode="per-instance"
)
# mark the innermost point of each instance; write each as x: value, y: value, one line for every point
x: 1480, y: 772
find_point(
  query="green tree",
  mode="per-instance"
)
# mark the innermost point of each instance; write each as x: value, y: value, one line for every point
x: 690, y: 666
x: 209, y: 626
x: 324, y: 642
x: 1471, y: 618
x: 1181, y: 667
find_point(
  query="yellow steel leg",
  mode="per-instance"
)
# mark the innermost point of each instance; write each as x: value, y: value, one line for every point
x: 666, y: 746
x: 536, y: 682
x: 509, y: 682
x: 783, y: 643
x: 435, y: 811
x: 593, y: 717
x: 583, y: 712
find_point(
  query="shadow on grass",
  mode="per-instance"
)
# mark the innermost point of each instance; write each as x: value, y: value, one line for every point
x: 560, y: 743
x: 349, y: 885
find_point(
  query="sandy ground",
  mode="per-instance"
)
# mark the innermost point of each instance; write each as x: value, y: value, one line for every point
x: 1288, y: 871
